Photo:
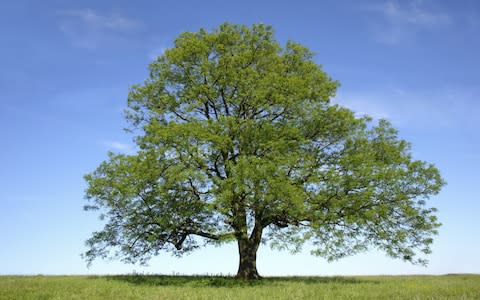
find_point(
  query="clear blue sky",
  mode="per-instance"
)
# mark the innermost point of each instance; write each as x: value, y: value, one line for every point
x: 65, y: 68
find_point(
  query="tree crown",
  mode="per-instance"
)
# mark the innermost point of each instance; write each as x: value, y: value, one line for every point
x: 239, y: 141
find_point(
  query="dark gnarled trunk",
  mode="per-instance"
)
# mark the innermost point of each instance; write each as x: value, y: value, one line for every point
x: 247, y: 250
x: 247, y: 267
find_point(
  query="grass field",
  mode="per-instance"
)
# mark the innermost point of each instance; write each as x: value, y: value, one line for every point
x: 204, y: 287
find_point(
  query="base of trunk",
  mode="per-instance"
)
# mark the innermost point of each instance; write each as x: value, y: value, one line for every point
x: 247, y: 268
x: 247, y: 250
x: 248, y: 275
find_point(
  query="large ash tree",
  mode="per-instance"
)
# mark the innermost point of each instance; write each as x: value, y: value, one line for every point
x: 238, y: 142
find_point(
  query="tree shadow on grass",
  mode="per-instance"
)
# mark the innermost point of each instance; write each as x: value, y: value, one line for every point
x: 227, y: 281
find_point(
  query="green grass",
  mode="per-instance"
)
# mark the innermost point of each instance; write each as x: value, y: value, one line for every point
x: 216, y: 287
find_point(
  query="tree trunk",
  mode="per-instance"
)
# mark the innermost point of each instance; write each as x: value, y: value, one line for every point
x: 247, y: 267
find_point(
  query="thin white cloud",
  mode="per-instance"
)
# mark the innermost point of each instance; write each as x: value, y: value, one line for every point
x: 86, y: 28
x: 412, y: 14
x: 118, y: 146
x: 362, y: 105
x: 91, y: 18
x: 441, y: 109
x: 401, y: 20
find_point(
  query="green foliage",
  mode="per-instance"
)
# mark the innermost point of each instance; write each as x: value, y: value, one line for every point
x: 238, y: 140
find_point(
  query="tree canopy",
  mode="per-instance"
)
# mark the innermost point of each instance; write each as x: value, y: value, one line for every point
x: 238, y: 141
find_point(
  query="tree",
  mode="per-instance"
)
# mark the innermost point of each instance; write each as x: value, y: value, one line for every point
x: 239, y: 142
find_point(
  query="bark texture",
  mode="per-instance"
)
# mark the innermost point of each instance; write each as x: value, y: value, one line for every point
x: 247, y: 267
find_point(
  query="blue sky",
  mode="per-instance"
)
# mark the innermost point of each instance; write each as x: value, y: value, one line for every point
x: 65, y: 71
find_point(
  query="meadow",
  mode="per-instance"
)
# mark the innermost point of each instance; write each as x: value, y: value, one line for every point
x: 218, y: 287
